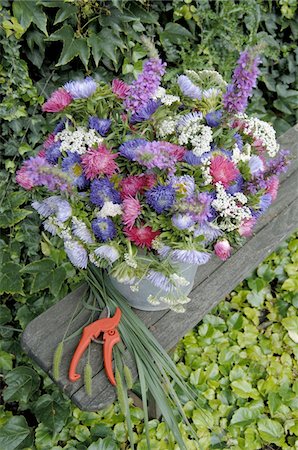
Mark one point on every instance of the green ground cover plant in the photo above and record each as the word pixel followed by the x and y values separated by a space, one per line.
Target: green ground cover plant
pixel 253 335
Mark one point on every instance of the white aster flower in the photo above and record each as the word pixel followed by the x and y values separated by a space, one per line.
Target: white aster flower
pixel 107 252
pixel 80 230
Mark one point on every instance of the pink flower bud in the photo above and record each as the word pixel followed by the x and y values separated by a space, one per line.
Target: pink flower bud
pixel 223 249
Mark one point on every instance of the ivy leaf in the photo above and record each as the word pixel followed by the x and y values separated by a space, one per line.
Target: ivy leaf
pixel 105 43
pixel 291 325
pixel 5 315
pixel 174 33
pixel 66 10
pixel 14 433
pixel 104 444
pixel 11 217
pixel 72 46
pixel 52 411
pixel 5 361
pixel 58 277
pixel 270 430
pixel 28 12
pixel 10 279
pixel 244 416
pixel 42 265
pixel 21 382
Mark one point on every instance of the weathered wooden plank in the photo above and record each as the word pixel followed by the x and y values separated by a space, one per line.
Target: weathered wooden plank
pixel 45 332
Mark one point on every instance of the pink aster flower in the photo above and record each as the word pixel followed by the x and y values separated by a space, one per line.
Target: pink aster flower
pixel 49 141
pixel 272 186
pixel 223 249
pixel 131 210
pixel 24 179
pixel 223 171
pixel 119 88
pixel 142 236
pixel 246 227
pixel 133 184
pixel 58 101
pixel 99 161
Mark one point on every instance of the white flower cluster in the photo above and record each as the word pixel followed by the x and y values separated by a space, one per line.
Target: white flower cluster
pixel 178 281
pixel 81 231
pixel 109 209
pixel 231 214
pixel 196 134
pixel 175 304
pixel 205 168
pixel 165 98
pixel 78 141
pixel 166 127
pixel 130 261
pixel 241 155
pixel 263 131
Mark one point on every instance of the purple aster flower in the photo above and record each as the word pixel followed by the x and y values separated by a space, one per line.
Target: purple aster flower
pixel 199 206
pixel 107 252
pixel 50 227
pixel 160 154
pixel 243 81
pixel 265 202
pixel 60 126
pixel 237 186
pixel 160 280
pixel 238 140
pixel 71 164
pixel 256 165
pixel 53 153
pixel 128 148
pixel 209 232
pixel 191 159
pixel 102 126
pixel 164 251
pixel 161 198
pixel 145 86
pixel 81 88
pixel 188 88
pixel 213 118
pixel 146 112
pixel 102 191
pixel 76 253
pixel 185 184
pixel 104 229
pixel 54 205
pixel 182 221
pixel 191 256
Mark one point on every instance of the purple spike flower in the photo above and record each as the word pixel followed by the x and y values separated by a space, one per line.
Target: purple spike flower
pixel 102 126
pixel 161 198
pixel 243 81
pixel 102 191
pixel 104 229
pixel 81 88
pixel 279 164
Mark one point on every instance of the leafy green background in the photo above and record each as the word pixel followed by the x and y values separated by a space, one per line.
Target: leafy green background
pixel 248 366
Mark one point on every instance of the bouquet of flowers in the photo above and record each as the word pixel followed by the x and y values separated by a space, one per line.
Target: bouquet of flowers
pixel 139 178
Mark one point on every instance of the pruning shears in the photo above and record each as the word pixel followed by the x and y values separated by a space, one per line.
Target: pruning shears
pixel 107 326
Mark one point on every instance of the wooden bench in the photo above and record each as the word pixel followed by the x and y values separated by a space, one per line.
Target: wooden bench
pixel 213 282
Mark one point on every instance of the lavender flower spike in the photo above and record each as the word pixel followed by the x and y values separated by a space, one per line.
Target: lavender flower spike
pixel 243 81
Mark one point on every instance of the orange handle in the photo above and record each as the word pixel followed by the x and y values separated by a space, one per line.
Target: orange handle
pixel 110 338
pixel 83 344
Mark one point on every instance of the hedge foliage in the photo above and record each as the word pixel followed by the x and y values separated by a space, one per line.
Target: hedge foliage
pixel 45 43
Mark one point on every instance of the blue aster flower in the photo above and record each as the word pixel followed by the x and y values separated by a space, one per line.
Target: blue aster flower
pixel 60 126
pixel 182 221
pixel 161 198
pixel 53 153
pixel 128 148
pixel 237 186
pixel 191 256
pixel 81 88
pixel 188 88
pixel 146 112
pixel 71 164
pixel 76 253
pixel 104 229
pixel 192 159
pixel 102 126
pixel 213 118
pixel 54 205
pixel 102 191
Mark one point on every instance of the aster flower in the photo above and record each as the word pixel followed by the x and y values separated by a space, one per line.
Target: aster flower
pixel 183 221
pixel 104 229
pixel 213 118
pixel 237 186
pixel 53 153
pixel 246 227
pixel 133 184
pixel 161 198
pixel 54 205
pixel 199 206
pixel 185 120
pixel 146 112
pixel 223 171
pixel 222 249
pixel 243 81
pixel 120 89
pixel 81 231
pixel 72 165
pixel 131 210
pixel 99 161
pixel 107 252
pixel 272 186
pixel 160 280
pixel 145 86
pixel 256 165
pixel 102 126
pixel 51 226
pixel 184 185
pixel 60 126
pixel 141 236
pixel 160 154
pixel 190 256
pixel 128 148
pixel 191 159
pixel 208 230
pixel 102 191
pixel 36 171
pixel 81 88
pixel 76 253
pixel 188 88
pixel 58 101
pixel 110 209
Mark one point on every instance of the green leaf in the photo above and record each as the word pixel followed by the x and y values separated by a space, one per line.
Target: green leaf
pixel 5 315
pixel 10 218
pixel 105 43
pixel 95 43
pixel 5 361
pixel 244 416
pixel 270 430
pixel 14 433
pixel 10 279
pixel 174 33
pixel 291 325
pixel 65 11
pixel 57 279
pixel 42 265
pixel 244 389
pixel 104 444
pixel 291 285
pixel 53 411
pixel 28 12
pixel 41 281
pixel 21 382
pixel 72 46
